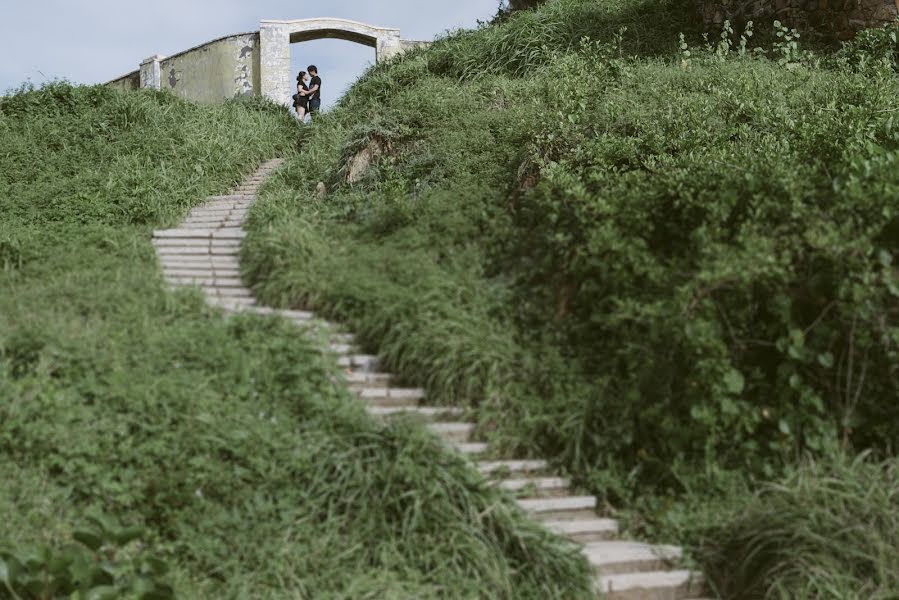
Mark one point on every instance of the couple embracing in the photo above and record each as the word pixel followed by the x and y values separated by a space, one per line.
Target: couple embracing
pixel 308 98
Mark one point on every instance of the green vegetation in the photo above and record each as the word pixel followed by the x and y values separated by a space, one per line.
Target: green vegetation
pixel 225 444
pixel 828 530
pixel 669 265
pixel 93 566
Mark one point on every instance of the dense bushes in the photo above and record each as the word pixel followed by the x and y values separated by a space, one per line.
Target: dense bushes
pixel 730 262
pixel 251 473
pixel 718 276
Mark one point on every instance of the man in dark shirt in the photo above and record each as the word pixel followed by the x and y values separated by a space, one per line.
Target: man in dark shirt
pixel 315 90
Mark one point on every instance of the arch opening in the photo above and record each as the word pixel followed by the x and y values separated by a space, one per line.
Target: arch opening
pixel 276 38
pixel 336 34
pixel 340 63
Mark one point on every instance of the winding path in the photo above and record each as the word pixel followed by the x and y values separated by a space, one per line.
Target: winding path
pixel 204 250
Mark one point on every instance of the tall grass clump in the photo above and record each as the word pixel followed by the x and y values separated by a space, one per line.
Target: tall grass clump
pixel 149 446
pixel 528 41
pixel 827 530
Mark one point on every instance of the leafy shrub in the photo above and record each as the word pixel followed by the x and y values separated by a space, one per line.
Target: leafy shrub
pixel 706 264
pixel 872 48
pixel 98 565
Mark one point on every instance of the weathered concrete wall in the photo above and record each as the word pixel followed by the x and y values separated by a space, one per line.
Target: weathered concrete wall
pixel 223 69
pixel 127 83
pixel 836 19
pixel 274 49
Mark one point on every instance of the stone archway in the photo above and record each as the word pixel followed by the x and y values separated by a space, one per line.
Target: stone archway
pixel 255 63
pixel 275 38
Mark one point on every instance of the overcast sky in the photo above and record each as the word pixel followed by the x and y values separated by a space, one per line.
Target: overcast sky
pixel 94 41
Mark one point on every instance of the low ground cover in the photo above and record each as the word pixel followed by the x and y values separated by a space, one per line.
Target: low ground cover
pixel 137 418
pixel 669 266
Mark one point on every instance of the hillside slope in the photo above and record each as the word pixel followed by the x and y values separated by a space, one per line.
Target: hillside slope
pixel 666 264
pixel 130 411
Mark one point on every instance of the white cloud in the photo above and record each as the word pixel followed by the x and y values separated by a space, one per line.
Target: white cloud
pixel 92 41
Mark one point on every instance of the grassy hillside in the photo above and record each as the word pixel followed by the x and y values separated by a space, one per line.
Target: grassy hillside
pixel 664 262
pixel 224 447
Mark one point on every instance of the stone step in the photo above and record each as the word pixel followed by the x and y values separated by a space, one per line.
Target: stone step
pixel 225 205
pixel 341 348
pixel 388 396
pixel 229 197
pixel 221 215
pixel 343 338
pixel 163 245
pixel 230 207
pixel 653 585
pixel 470 448
pixel 566 508
pixel 232 305
pixel 227 292
pixel 536 487
pixel 426 413
pixel 189 224
pixel 226 214
pixel 359 362
pixel 198 251
pixel 230 233
pixel 294 315
pixel 199 262
pixel 212 223
pixel 361 380
pixel 206 282
pixel 195 242
pixel 199 272
pixel 614 557
pixel 453 432
pixel 215 211
pixel 584 530
pixel 207 273
pixel 223 208
pixel 297 316
pixel 511 467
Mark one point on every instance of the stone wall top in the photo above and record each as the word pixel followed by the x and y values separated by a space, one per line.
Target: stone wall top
pixel 210 42
pixel 304 30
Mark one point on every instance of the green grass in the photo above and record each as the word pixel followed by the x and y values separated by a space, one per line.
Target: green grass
pixel 828 530
pixel 253 473
pixel 668 268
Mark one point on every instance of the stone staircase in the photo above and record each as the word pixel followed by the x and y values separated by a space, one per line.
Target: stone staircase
pixel 203 251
